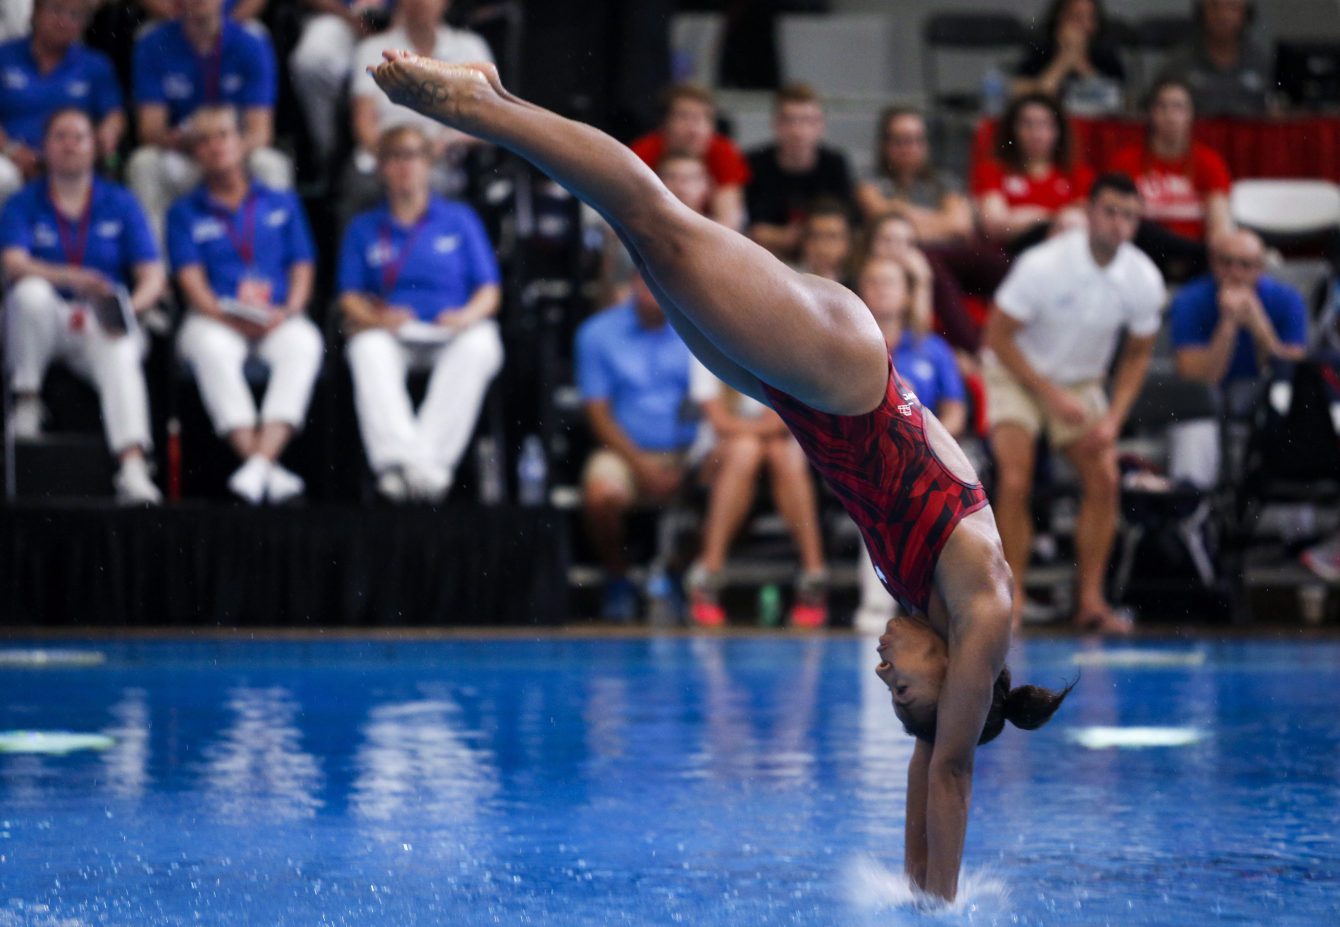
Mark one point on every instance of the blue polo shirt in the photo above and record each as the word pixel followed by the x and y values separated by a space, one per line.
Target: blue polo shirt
pixel 927 363
pixel 434 264
pixel 113 238
pixel 263 238
pixel 240 70
pixel 1195 315
pixel 644 375
pixel 84 79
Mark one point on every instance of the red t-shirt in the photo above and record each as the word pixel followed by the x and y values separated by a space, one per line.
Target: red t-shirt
pixel 1175 191
pixel 725 163
pixel 1053 190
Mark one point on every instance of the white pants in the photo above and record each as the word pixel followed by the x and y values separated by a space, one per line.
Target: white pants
pixel 217 353
pixel 877 606
pixel 39 332
pixel 158 176
pixel 1193 452
pixel 10 179
pixel 393 434
pixel 319 67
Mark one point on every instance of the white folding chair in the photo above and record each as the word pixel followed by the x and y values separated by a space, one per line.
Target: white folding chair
pixel 1286 208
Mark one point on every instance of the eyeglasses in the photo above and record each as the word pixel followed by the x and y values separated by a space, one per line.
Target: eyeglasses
pixel 404 154
pixel 905 138
pixel 1242 263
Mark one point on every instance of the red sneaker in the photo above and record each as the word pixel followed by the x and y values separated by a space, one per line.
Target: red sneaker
pixel 705 609
pixel 809 615
pixel 811 603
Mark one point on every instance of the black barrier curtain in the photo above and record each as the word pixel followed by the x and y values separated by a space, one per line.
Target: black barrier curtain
pixel 325 566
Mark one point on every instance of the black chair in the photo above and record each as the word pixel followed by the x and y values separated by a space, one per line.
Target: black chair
pixel 972 32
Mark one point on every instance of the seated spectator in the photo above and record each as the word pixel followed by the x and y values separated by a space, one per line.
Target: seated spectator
pixel 891 237
pixel 750 439
pixel 889 288
pixel 686 177
pixel 633 372
pixel 244 11
pixel 47 71
pixel 1052 333
pixel 826 241
pixel 1033 187
pixel 787 176
pixel 1074 60
pixel 1225 327
pixel 417 26
pixel 68 241
pixel 1184 184
pixel 242 256
pixel 689 127
pixel 199 59
pixel 320 63
pixel 1228 71
pixel 419 288
pixel 906 182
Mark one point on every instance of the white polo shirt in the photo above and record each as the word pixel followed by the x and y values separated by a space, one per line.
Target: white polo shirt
pixel 1073 310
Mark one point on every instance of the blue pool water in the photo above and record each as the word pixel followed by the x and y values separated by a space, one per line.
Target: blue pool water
pixel 724 781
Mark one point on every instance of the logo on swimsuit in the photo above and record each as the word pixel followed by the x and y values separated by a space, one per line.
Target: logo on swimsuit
pixel 905 410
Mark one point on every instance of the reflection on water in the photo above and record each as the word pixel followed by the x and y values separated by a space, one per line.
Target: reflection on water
pixel 126 764
pixel 414 764
pixel 257 768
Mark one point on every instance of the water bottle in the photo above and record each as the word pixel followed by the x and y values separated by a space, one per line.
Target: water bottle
pixel 532 472
pixel 994 91
pixel 770 606
pixel 490 472
pixel 661 606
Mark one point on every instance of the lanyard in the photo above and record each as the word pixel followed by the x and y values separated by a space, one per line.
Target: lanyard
pixel 211 65
pixel 73 235
pixel 391 268
pixel 245 243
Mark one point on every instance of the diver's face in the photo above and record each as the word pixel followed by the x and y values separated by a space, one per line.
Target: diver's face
pixel 913 660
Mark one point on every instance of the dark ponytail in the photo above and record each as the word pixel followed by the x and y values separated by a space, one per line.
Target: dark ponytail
pixel 1027 707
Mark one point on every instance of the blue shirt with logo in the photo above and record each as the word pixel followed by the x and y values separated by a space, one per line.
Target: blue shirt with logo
pixel 429 266
pixel 114 238
pixel 1195 315
pixel 239 71
pixel 262 239
pixel 84 79
pixel 927 363
pixel 642 372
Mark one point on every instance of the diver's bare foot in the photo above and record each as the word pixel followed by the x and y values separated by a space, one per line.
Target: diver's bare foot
pixel 450 93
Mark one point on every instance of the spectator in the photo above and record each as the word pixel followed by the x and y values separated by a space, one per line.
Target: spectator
pixel 1184 184
pixel 787 176
pixel 749 439
pixel 47 71
pixel 1228 71
pixel 419 290
pixel 686 177
pixel 418 27
pixel 199 59
pixel 826 241
pixel 1225 327
pixel 68 241
pixel 320 63
pixel 689 127
pixel 14 18
pixel 1033 187
pixel 245 11
pixel 906 182
pixel 1053 332
pixel 1074 60
pixel 890 288
pixel 633 371
pixel 891 237
pixel 242 256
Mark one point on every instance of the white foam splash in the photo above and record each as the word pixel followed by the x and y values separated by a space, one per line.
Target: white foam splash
pixel 873 888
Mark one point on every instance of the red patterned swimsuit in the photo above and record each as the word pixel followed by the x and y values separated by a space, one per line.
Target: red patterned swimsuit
pixel 881 465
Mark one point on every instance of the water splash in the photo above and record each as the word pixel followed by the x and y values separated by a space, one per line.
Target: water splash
pixel 874 889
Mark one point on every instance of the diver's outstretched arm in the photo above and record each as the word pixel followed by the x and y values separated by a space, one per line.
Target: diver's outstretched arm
pixel 809 337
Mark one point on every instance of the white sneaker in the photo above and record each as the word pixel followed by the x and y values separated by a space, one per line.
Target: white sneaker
pixel 427 484
pixel 26 418
pixel 391 485
pixel 133 484
pixel 283 485
pixel 249 480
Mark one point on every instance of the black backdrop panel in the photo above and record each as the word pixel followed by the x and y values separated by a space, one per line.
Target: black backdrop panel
pixel 323 566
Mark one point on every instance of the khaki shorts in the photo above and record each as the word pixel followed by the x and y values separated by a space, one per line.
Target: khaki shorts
pixel 1008 401
pixel 608 467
